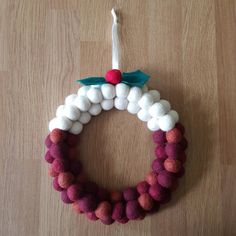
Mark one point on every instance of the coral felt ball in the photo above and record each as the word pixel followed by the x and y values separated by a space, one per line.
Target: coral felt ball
pixel 173 136
pixel 103 194
pixel 173 150
pixel 160 152
pixel 151 178
pixel 48 157
pixel 56 186
pixel 76 208
pixel 157 165
pixel 59 151
pixel 75 167
pixel 118 211
pixel 51 172
pixel 65 198
pixel 116 196
pixel 133 210
pixel 87 203
pixel 145 201
pixel 48 141
pixel 75 192
pixel 103 210
pixel 158 193
pixel 166 179
pixel 91 215
pixel 113 76
pixel 57 135
pixel 72 139
pixel 60 165
pixel 172 165
pixel 142 187
pixel 65 179
pixel 130 194
pixel 159 137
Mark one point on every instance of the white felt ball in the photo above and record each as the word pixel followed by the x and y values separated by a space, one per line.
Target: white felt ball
pixel 108 91
pixel 63 123
pixel 166 122
pixel 135 94
pixel 52 124
pixel 133 107
pixel 107 104
pixel 153 125
pixel 84 118
pixel 166 104
pixel 120 103
pixel 60 110
pixel 71 112
pixel 145 88
pixel 155 94
pixel 175 115
pixel 144 115
pixel 94 95
pixel 82 103
pixel 76 128
pixel 95 109
pixel 122 90
pixel 157 110
pixel 70 99
pixel 83 90
pixel 146 101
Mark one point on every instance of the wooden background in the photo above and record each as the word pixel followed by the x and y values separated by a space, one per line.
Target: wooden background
pixel 189 49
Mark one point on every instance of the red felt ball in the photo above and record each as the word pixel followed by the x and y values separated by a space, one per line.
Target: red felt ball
pixel 60 165
pixel 116 196
pixel 166 179
pixel 59 151
pixel 159 137
pixel 151 178
pixel 173 150
pixel 48 141
pixel 58 136
pixel 184 143
pixel 76 208
pixel 108 221
pixel 72 153
pixel 145 201
pixel 75 192
pixel 55 185
pixel 133 210
pixel 87 203
pixel 113 76
pixel 65 198
pixel 91 215
pixel 75 167
pixel 103 194
pixel 172 165
pixel 72 139
pixel 157 165
pixel 130 194
pixel 158 193
pixel 90 187
pixel 65 179
pixel 51 172
pixel 103 210
pixel 48 157
pixel 174 136
pixel 142 187
pixel 118 211
pixel 160 152
pixel 123 220
pixel 180 127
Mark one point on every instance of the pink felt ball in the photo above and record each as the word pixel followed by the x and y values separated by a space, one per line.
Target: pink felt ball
pixel 59 165
pixel 180 127
pixel 108 221
pixel 58 136
pixel 55 185
pixel 172 165
pixel 72 139
pixel 65 179
pixel 103 194
pixel 48 141
pixel 160 152
pixel 76 208
pixel 48 157
pixel 133 210
pixel 59 151
pixel 91 215
pixel 173 136
pixel 151 178
pixel 145 201
pixel 142 187
pixel 157 165
pixel 75 192
pixel 65 198
pixel 158 193
pixel 116 196
pixel 159 137
pixel 103 210
pixel 173 150
pixel 113 76
pixel 51 172
pixel 166 179
pixel 75 167
pixel 118 211
pixel 87 203
pixel 130 194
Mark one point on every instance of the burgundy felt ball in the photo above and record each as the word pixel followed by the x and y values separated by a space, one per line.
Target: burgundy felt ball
pixel 108 221
pixel 48 141
pixel 58 136
pixel 116 196
pixel 113 76
pixel 160 152
pixel 75 192
pixel 65 179
pixel 142 187
pixel 76 208
pixel 91 215
pixel 72 139
pixel 172 165
pixel 52 172
pixel 103 194
pixel 180 173
pixel 59 151
pixel 173 136
pixel 87 203
pixel 123 220
pixel 158 193
pixel 48 157
pixel 159 137
pixel 72 153
pixel 130 194
pixel 65 198
pixel 75 167
pixel 56 186
pixel 82 178
pixel 166 179
pixel 133 210
pixel 90 187
pixel 173 150
pixel 180 127
pixel 182 157
pixel 183 143
pixel 151 178
pixel 60 165
pixel 118 211
pixel 104 210
pixel 157 165
pixel 145 201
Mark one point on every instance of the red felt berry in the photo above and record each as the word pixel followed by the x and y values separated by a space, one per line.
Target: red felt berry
pixel 91 215
pixel 174 136
pixel 180 127
pixel 142 187
pixel 159 137
pixel 65 198
pixel 103 210
pixel 58 136
pixel 87 203
pixel 157 165
pixel 151 178
pixel 48 141
pixel 113 76
pixel 116 196
pixel 160 152
pixel 173 150
pixel 145 201
pixel 123 220
pixel 172 165
pixel 55 185
pixel 58 151
pixel 65 179
pixel 118 211
pixel 166 179
pixel 158 193
pixel 75 192
pixel 103 194
pixel 60 165
pixel 130 194
pixel 48 157
pixel 133 210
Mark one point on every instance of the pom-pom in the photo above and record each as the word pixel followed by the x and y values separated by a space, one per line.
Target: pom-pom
pixel 75 192
pixel 124 220
pixel 95 109
pixel 133 107
pixel 76 128
pixel 94 95
pixel 75 167
pixel 87 203
pixel 108 91
pixel 76 208
pixel 155 94
pixel 120 103
pixel 151 178
pixel 143 115
pixel 71 112
pixel 159 137
pixel 166 122
pixel 70 99
pixel 65 179
pixel 157 110
pixel 113 76
pixel 180 173
pixel 172 165
pixel 91 215
pixel 142 187
pixel 133 210
pixel 174 136
pixel 82 103
pixel 52 172
pixel 63 123
pixel 153 125
pixel 160 152
pixel 135 94
pixel 122 90
pixel 146 101
pixel 158 193
pixel 56 186
pixel 108 221
pixel 103 194
pixel 60 110
pixel 166 179
pixel 82 91
pixel 103 210
pixel 157 165
pixel 58 136
pixel 84 118
pixel 180 127
pixel 48 157
pixel 65 198
pixel 145 201
pixel 173 150
pixel 91 187
pixel 182 157
pixel 72 139
pixel 59 151
pixel 130 194
pixel 166 104
pixel 48 141
pixel 118 211
pixel 174 114
pixel 60 165
pixel 52 124
pixel 72 153
pixel 183 143
pixel 107 104
pixel 116 196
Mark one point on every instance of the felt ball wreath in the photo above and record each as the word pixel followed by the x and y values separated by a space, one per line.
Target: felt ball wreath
pixel 123 91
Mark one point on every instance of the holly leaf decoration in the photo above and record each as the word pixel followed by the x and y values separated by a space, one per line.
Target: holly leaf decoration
pixel 92 81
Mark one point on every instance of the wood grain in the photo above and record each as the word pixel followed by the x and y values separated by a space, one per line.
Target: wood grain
pixel 187 46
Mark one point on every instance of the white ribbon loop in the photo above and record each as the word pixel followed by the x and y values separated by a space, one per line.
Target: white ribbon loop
pixel 115 41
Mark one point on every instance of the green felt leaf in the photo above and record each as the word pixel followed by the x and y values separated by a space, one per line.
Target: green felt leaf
pixel 135 78
pixel 92 81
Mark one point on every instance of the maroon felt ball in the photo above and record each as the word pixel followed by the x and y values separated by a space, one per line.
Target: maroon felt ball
pixel 118 211
pixel 155 208
pixel 113 76
pixel 48 157
pixel 145 201
pixel 133 210
pixel 159 137
pixel 72 153
pixel 91 187
pixel 59 165
pixel 72 139
pixel 151 178
pixel 91 216
pixel 173 150
pixel 103 194
pixel 184 143
pixel 76 208
pixel 173 136
pixel 65 198
pixel 75 192
pixel 180 127
pixel 180 173
pixel 51 172
pixel 75 167
pixel 81 178
pixel 130 194
pixel 103 210
pixel 142 187
pixel 160 152
pixel 166 179
pixel 58 136
pixel 174 186
pixel 56 186
pixel 87 203
pixel 157 165
pixel 116 196
pixel 172 165
pixel 108 221
pixel 158 193
pixel 123 220
pixel 48 141
pixel 59 151
pixel 182 157
pixel 65 179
